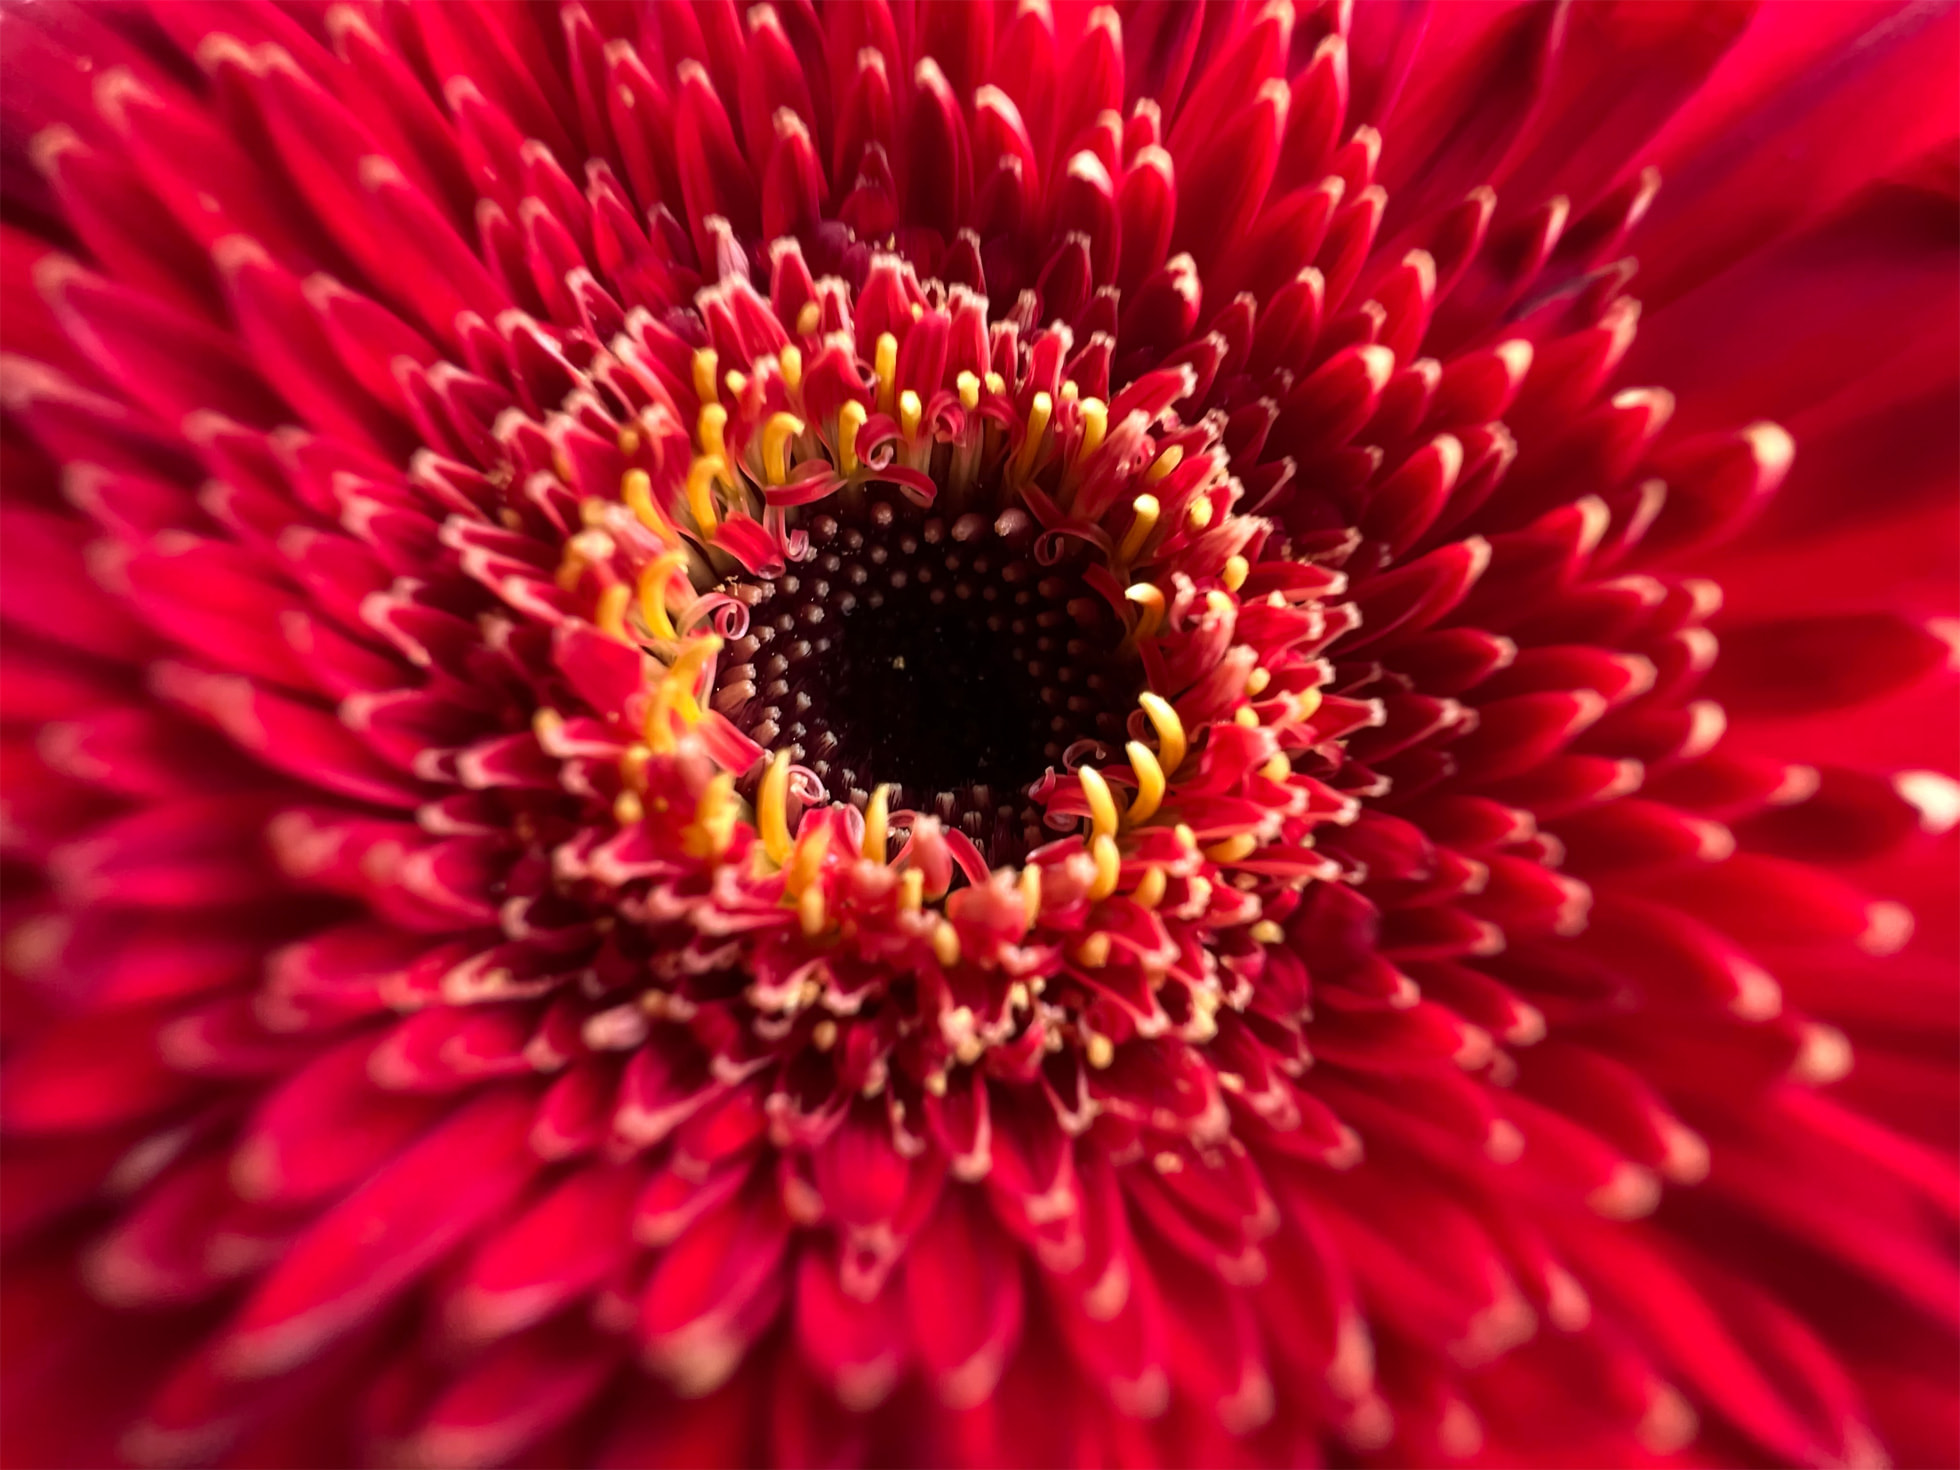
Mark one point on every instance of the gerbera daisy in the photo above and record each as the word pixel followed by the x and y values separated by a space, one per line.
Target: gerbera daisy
pixel 979 733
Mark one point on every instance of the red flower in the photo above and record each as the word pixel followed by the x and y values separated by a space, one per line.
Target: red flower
pixel 974 734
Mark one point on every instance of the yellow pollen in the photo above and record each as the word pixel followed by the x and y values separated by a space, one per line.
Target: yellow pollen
pixel 969 387
pixel 1257 681
pixel 653 592
pixel 659 727
pixel 911 890
pixel 1186 838
pixel 876 813
pixel 809 319
pixel 776 434
pixel 684 676
pixel 1030 894
pixel 1247 716
pixel 823 1035
pixel 1218 604
pixel 636 489
pixel 1151 601
pixel 628 809
pixel 1102 802
pixel 1147 510
pixel 1169 460
pixel 705 363
pixel 807 861
pixel 946 944
pixel 611 612
pixel 1232 848
pixel 1149 891
pixel 996 384
pixel 1306 704
pixel 711 429
pixel 1095 425
pixel 850 418
pixel 810 911
pixel 791 358
pixel 772 809
pixel 701 491
pixel 1039 413
pixel 1150 783
pixel 1170 731
pixel 633 767
pixel 629 440
pixel 1109 865
pixel 737 383
pixel 1267 932
pixel 1199 515
pixel 1278 768
pixel 1070 392
pixel 1101 1052
pixel 715 814
pixel 910 411
pixel 884 363
pixel 1093 952
pixel 1237 569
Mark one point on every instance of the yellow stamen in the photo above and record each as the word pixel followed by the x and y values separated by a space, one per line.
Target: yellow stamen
pixel 911 890
pixel 1169 460
pixel 636 489
pixel 1237 569
pixel 628 810
pixel 1030 893
pixel 737 383
pixel 701 492
pixel 705 363
pixel 823 1035
pixel 712 429
pixel 791 358
pixel 1093 952
pixel 876 822
pixel 1247 716
pixel 660 725
pixel 653 592
pixel 1232 848
pixel 850 418
pixel 1256 682
pixel 1151 601
pixel 715 814
pixel 1102 802
pixel 610 615
pixel 1267 932
pixel 1199 515
pixel 996 384
pixel 1278 768
pixel 684 676
pixel 810 911
pixel 772 809
pixel 1070 390
pixel 946 944
pixel 633 767
pixel 1150 888
pixel 1101 1052
pixel 629 440
pixel 1147 510
pixel 1109 865
pixel 809 319
pixel 969 387
pixel 807 861
pixel 1042 410
pixel 1095 426
pixel 776 434
pixel 1150 783
pixel 884 362
pixel 1306 704
pixel 1170 731
pixel 910 411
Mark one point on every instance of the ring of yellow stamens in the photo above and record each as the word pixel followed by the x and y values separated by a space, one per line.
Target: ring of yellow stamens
pixel 776 436
pixel 1147 509
pixel 1150 783
pixel 1170 731
pixel 877 824
pixel 772 810
pixel 850 419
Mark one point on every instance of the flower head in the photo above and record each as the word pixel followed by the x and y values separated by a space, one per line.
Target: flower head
pixel 977 734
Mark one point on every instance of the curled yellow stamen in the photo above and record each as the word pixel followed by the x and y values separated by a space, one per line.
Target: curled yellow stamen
pixel 772 809
pixel 1237 569
pixel 876 824
pixel 1039 413
pixel 946 944
pixel 1102 802
pixel 1147 510
pixel 1109 868
pixel 1150 783
pixel 1149 891
pixel 1170 731
pixel 1151 601
pixel 911 890
pixel 705 363
pixel 636 489
pixel 1095 425
pixel 969 388
pixel 1169 460
pixel 610 615
pixel 660 722
pixel 850 418
pixel 685 674
pixel 712 430
pixel 1232 848
pixel 701 477
pixel 791 358
pixel 1030 893
pixel 653 592
pixel 807 861
pixel 910 411
pixel 776 434
pixel 884 362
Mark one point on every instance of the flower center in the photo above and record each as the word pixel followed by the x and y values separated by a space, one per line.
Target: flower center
pixel 941 657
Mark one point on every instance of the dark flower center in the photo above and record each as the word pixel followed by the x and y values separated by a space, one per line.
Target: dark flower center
pixel 943 657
